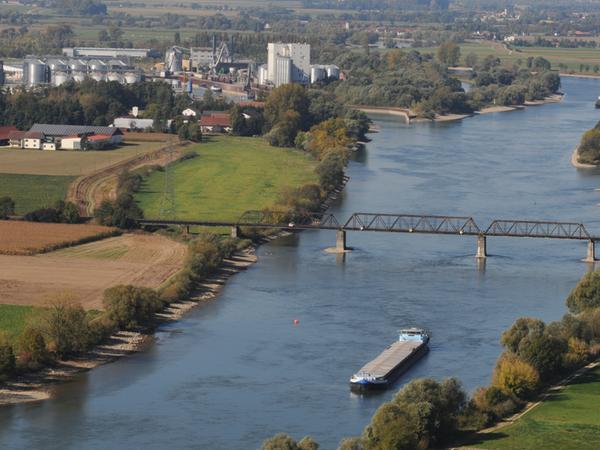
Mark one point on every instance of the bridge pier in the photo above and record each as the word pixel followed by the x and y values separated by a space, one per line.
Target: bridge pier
pixel 481 247
pixel 235 232
pixel 591 252
pixel 340 241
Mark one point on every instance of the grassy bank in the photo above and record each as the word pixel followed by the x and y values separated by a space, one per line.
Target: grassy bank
pixel 14 318
pixel 568 419
pixel 32 192
pixel 229 176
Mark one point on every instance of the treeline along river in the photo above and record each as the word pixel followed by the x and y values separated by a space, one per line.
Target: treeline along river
pixel 237 370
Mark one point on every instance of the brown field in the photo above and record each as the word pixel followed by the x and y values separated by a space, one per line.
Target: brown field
pixel 36 162
pixel 26 238
pixel 87 270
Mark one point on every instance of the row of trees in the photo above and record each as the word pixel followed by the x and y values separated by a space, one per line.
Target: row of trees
pixel 427 413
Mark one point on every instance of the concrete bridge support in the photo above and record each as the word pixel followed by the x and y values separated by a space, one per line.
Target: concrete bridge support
pixel 235 232
pixel 481 247
pixel 591 252
pixel 340 241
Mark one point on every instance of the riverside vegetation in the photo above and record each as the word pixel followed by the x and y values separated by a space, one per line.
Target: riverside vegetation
pixel 588 151
pixel 428 413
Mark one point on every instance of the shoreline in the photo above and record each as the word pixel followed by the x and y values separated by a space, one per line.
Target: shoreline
pixel 34 387
pixel 412 118
pixel 575 161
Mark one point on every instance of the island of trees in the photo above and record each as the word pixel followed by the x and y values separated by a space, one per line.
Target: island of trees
pixel 588 151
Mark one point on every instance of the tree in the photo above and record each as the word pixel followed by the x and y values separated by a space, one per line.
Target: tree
pixel 516 377
pixel 285 99
pixel 7 360
pixel 70 213
pixel 448 53
pixel 66 326
pixel 471 60
pixel 353 443
pixel 284 442
pixel 586 295
pixel 520 329
pixel 130 306
pixel 330 172
pixel 544 352
pixel 7 207
pixel 33 352
pixel 283 134
pixel 392 428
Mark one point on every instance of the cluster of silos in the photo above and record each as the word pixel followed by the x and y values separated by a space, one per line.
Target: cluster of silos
pixel 319 72
pixel 174 60
pixel 58 71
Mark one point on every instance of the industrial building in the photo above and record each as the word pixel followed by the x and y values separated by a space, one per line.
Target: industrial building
pixel 287 63
pixel 96 52
pixel 56 70
pixel 320 72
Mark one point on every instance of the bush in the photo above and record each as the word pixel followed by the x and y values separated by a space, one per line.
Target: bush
pixel 130 306
pixel 7 207
pixel 33 353
pixel 330 172
pixel 586 295
pixel 122 213
pixel 393 427
pixel 7 360
pixel 544 352
pixel 284 442
pixel 67 328
pixel 516 377
pixel 61 213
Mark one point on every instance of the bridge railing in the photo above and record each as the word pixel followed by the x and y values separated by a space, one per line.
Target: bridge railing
pixel 287 219
pixel 410 223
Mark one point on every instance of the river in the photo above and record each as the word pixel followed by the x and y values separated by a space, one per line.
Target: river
pixel 237 370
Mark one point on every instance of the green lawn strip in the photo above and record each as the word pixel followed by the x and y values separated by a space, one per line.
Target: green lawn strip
pixel 229 176
pixel 570 419
pixel 32 192
pixel 14 318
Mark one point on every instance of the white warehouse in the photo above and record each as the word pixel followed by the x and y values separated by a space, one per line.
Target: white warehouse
pixel 288 63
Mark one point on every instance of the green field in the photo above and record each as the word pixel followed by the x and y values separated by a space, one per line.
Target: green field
pixel 571 57
pixel 570 419
pixel 13 320
pixel 33 191
pixel 229 176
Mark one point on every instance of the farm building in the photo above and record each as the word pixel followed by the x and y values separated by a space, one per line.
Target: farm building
pixel 70 143
pixel 48 145
pixel 32 140
pixel 215 122
pixel 61 131
pixel 136 123
pixel 5 134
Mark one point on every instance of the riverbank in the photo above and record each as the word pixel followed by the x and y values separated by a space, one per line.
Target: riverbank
pixel 575 161
pixel 38 386
pixel 411 117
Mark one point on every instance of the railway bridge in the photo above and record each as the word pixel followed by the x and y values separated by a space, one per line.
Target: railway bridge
pixel 398 223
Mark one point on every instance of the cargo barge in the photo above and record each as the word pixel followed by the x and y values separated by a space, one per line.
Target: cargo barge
pixel 381 372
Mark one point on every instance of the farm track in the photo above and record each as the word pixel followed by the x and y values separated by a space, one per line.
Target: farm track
pixel 88 191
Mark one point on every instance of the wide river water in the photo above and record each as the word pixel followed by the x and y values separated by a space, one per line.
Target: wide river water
pixel 237 370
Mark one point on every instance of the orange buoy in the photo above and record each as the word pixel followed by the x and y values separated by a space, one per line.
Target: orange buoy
pixel 296 321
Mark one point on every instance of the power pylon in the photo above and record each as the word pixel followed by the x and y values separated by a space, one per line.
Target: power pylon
pixel 167 200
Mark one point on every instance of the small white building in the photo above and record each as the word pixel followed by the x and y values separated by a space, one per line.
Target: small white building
pixel 32 140
pixel 49 146
pixel 189 112
pixel 70 143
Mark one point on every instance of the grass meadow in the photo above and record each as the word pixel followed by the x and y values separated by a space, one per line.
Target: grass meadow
pixel 229 176
pixel 32 192
pixel 569 419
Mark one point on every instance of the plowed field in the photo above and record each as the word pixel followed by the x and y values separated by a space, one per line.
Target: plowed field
pixel 25 238
pixel 87 270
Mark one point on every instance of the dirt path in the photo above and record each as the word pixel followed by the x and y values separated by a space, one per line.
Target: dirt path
pixel 89 190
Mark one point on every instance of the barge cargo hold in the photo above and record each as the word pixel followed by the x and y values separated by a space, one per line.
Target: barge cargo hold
pixel 392 362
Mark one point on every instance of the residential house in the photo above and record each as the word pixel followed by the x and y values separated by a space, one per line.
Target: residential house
pixel 215 122
pixel 48 145
pixel 32 140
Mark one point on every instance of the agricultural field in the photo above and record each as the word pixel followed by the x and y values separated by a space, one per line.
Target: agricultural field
pixel 32 192
pixel 84 272
pixel 26 238
pixel 229 176
pixel 571 57
pixel 69 163
pixel 569 419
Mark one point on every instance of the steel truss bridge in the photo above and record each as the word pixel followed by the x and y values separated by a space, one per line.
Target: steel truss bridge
pixel 398 223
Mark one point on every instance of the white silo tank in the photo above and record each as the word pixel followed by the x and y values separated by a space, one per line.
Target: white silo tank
pixel 79 76
pixel 333 72
pixel 114 76
pixel 132 77
pixel 36 73
pixel 60 78
pixel 98 76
